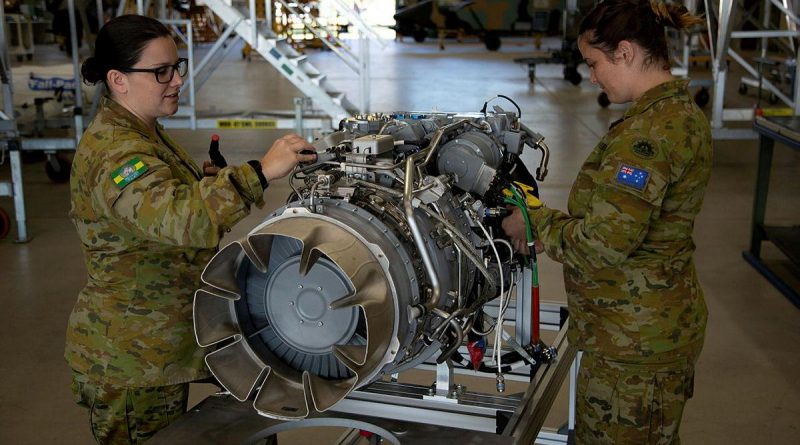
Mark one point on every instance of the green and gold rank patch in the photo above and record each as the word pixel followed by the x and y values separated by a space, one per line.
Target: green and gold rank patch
pixel 128 172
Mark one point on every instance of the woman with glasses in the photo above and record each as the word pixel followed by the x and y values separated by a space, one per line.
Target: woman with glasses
pixel 149 219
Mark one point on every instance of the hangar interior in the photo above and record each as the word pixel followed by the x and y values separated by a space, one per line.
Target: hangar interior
pixel 746 389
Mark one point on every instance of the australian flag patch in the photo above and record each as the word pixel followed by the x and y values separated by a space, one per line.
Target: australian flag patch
pixel 632 177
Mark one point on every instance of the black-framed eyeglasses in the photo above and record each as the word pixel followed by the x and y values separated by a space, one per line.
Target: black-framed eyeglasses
pixel 164 74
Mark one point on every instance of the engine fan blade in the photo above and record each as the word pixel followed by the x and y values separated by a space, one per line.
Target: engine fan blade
pixel 369 283
pixel 353 356
pixel 372 295
pixel 309 256
pixel 237 368
pixel 345 247
pixel 213 317
pixel 379 328
pixel 353 299
pixel 282 394
pixel 281 397
pixel 221 271
pixel 258 249
pixel 325 393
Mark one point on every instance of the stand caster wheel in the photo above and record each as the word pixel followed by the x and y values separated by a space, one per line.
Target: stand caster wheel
pixel 492 42
pixel 57 169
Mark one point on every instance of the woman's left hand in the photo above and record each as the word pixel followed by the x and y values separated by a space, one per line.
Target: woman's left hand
pixel 521 246
pixel 514 227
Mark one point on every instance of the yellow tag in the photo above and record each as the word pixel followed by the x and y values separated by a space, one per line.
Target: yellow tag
pixel 254 124
pixel 777 112
pixel 530 199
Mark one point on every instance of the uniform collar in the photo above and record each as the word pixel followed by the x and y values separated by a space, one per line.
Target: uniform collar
pixel 122 117
pixel 678 87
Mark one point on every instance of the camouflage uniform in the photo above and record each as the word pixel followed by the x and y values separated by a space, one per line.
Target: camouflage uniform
pixel 148 222
pixel 128 415
pixel 636 307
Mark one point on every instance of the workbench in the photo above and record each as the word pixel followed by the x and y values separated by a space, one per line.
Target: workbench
pixel 404 413
pixel 785 130
pixel 222 420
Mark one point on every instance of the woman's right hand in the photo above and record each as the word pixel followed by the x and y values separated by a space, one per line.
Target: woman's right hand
pixel 284 155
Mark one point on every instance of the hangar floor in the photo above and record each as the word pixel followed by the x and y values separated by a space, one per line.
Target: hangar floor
pixel 747 390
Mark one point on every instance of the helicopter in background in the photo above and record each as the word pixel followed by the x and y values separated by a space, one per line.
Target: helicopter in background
pixel 487 19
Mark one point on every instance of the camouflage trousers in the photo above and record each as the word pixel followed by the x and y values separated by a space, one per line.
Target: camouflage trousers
pixel 121 415
pixel 633 403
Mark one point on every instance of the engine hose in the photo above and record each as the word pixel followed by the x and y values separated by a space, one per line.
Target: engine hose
pixel 448 320
pixel 459 237
pixel 511 361
pixel 416 234
pixel 447 353
pixel 437 137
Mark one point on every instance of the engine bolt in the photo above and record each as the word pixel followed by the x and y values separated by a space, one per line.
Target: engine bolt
pixel 319 324
pixel 319 288
pixel 299 286
pixel 291 303
pixel 301 321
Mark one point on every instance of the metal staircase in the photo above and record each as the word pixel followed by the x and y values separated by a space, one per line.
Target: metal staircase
pixel 292 65
pixel 721 15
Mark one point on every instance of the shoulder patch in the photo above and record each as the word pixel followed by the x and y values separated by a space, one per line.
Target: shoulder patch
pixel 643 149
pixel 632 177
pixel 129 171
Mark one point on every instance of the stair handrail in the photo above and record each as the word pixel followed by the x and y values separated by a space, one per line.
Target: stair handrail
pixel 314 26
pixel 284 58
pixel 356 19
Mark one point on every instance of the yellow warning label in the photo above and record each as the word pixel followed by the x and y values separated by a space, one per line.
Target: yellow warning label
pixel 778 112
pixel 255 124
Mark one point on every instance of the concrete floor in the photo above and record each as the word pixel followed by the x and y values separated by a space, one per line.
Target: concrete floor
pixel 747 390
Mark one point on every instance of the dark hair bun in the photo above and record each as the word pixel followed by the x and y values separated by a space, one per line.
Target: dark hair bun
pixel 91 72
pixel 119 45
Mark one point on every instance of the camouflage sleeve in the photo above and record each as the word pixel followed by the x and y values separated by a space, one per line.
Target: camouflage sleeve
pixel 149 200
pixel 628 191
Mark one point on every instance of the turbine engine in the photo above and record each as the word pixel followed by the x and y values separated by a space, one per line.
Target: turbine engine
pixel 382 258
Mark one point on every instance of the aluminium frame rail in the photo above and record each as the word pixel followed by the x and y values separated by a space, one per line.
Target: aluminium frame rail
pixel 404 413
pixel 721 50
pixel 14 143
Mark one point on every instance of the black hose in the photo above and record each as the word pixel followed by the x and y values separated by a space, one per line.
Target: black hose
pixel 510 357
pixel 486 104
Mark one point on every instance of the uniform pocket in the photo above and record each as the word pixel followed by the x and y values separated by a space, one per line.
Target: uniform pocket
pixel 669 399
pixel 597 403
pixel 83 393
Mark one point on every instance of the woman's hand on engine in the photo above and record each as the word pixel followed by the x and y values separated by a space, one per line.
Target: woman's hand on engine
pixel 284 155
pixel 514 227
pixel 521 246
